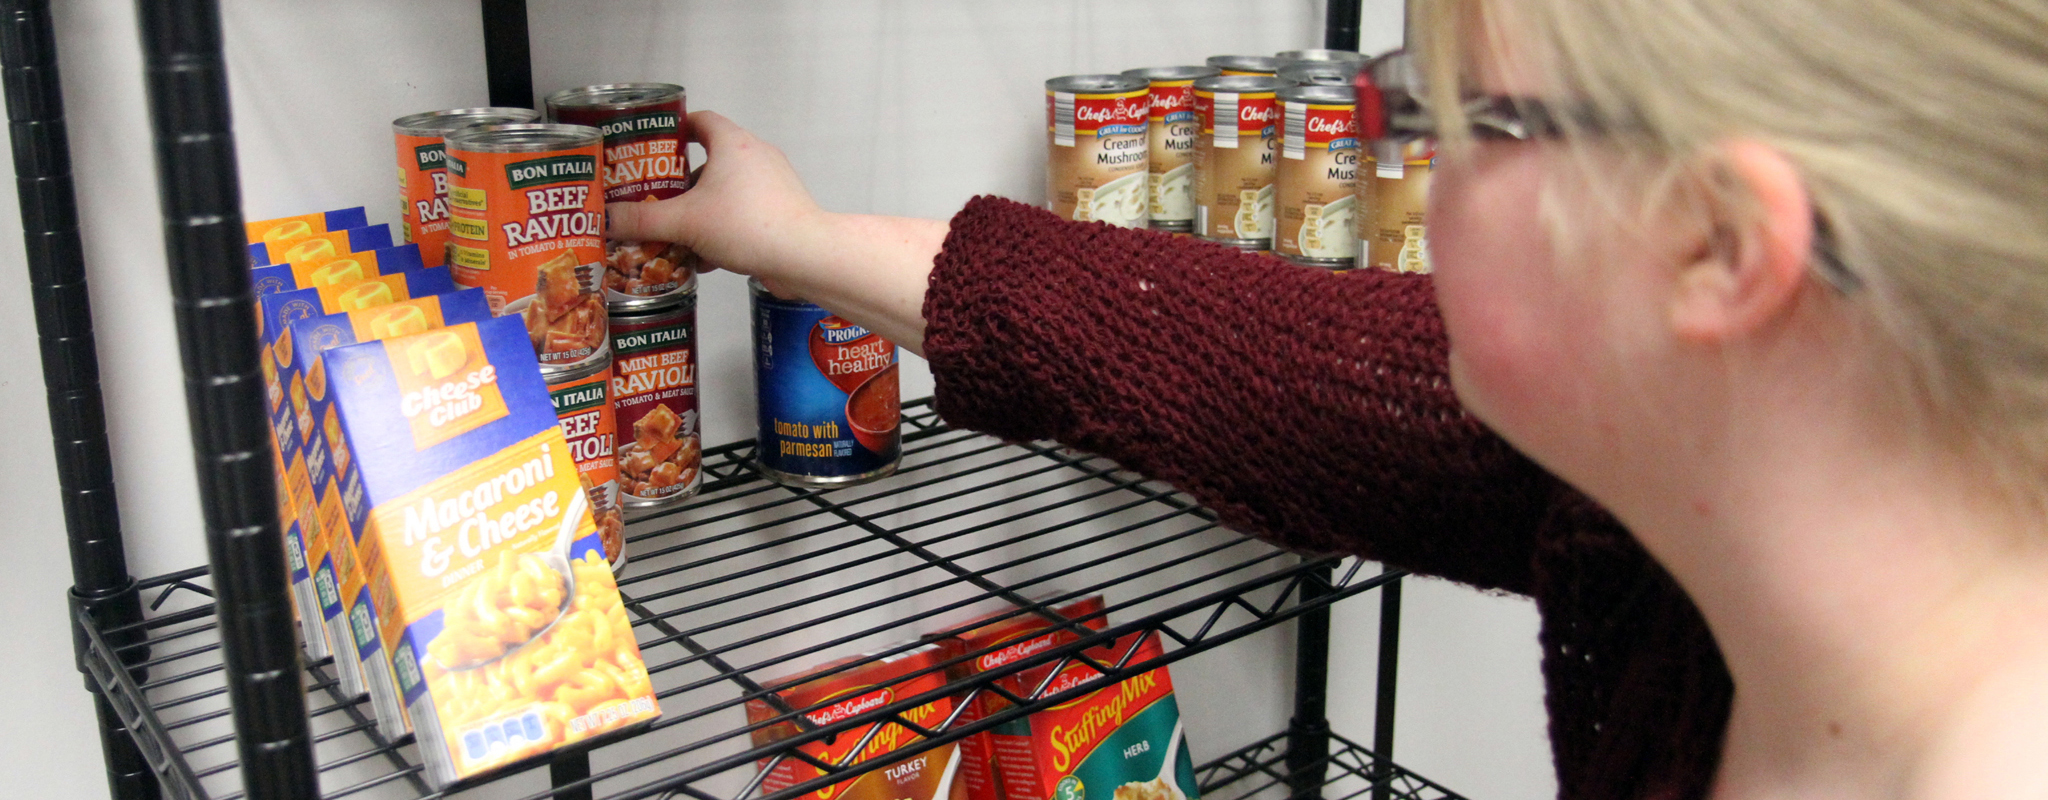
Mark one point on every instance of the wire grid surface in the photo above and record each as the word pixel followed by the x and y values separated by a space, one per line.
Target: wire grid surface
pixel 1349 772
pixel 751 581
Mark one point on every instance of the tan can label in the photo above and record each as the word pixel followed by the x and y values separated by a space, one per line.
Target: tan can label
pixel 584 406
pixel 1096 156
pixel 1318 181
pixel 423 196
pixel 1395 197
pixel 1234 164
pixel 528 228
pixel 1171 164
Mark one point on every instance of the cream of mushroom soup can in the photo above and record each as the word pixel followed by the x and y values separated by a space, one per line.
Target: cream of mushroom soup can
pixel 1263 66
pixel 1393 185
pixel 1393 196
pixel 1235 154
pixel 1096 145
pixel 1171 156
pixel 1316 185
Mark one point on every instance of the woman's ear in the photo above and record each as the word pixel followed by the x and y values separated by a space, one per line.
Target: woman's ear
pixel 1751 262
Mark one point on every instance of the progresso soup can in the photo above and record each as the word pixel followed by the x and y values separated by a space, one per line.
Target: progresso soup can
pixel 829 399
pixel 1315 188
pixel 423 177
pixel 1095 133
pixel 583 404
pixel 1170 160
pixel 646 130
pixel 526 224
pixel 654 388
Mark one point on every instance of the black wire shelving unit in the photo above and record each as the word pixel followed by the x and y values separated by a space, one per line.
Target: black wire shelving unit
pixel 202 693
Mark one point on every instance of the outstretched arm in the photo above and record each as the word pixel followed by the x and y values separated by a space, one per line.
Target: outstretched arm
pixel 1305 407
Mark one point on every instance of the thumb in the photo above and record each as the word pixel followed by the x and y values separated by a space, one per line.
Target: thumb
pixel 659 220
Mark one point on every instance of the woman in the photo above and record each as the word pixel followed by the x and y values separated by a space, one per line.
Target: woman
pixel 1769 292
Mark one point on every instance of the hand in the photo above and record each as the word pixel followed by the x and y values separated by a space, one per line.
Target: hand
pixel 748 213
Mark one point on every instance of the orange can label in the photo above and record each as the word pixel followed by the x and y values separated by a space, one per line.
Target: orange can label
pixel 423 196
pixel 584 406
pixel 528 228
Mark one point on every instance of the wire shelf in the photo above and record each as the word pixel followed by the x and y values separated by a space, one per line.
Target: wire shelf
pixel 1350 771
pixel 751 580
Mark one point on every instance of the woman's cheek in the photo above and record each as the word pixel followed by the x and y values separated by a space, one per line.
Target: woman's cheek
pixel 1495 289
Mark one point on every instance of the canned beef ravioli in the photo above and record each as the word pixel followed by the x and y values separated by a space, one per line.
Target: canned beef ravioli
pixel 654 388
pixel 423 176
pixel 527 225
pixel 645 127
pixel 583 402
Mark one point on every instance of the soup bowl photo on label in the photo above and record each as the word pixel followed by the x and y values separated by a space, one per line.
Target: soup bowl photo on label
pixel 874 409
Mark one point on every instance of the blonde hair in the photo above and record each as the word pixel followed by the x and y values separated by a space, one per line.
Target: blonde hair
pixel 1921 129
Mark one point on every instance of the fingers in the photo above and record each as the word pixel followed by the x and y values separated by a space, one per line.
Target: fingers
pixel 642 221
pixel 710 127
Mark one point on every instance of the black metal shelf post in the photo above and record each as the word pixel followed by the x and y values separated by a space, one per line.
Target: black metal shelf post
pixel 199 187
pixel 100 584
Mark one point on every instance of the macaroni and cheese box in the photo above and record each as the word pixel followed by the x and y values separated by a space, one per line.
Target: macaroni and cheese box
pixel 285 229
pixel 275 313
pixel 508 636
pixel 319 245
pixel 841 692
pixel 337 580
pixel 997 643
pixel 1119 742
pixel 311 637
pixel 334 270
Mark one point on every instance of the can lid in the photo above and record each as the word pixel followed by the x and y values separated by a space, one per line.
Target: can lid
pixel 1320 73
pixel 614 95
pixel 1265 65
pixel 1325 56
pixel 558 376
pixel 1240 83
pixel 1171 73
pixel 1096 83
pixel 1333 95
pixel 523 137
pixel 439 123
pixel 760 290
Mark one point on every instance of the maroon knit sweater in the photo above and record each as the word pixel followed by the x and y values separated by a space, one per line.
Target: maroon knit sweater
pixel 1314 410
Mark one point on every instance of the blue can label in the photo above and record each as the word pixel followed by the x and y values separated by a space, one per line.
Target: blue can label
pixel 829 398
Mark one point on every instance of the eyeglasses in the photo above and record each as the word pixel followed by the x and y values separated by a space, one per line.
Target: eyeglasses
pixel 1395 113
pixel 1392 114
